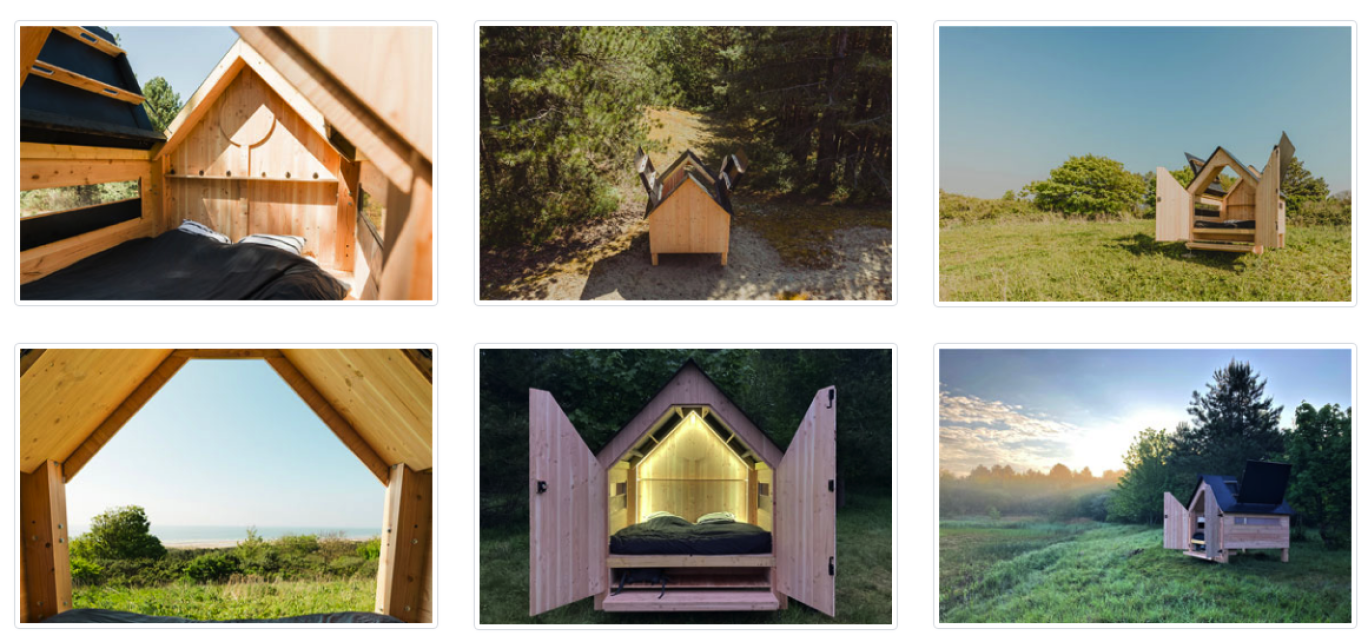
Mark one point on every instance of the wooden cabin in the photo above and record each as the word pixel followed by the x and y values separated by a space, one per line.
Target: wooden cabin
pixel 690 451
pixel 688 207
pixel 291 132
pixel 377 401
pixel 1226 515
pixel 1250 217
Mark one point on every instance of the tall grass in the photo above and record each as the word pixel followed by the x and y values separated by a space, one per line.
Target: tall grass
pixel 238 599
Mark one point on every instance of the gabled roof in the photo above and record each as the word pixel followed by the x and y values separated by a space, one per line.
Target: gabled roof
pixel 1195 163
pixel 697 171
pixel 378 402
pixel 239 57
pixel 1230 161
pixel 1263 486
pixel 77 88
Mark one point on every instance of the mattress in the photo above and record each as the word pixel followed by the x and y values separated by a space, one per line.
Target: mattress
pixel 177 266
pixel 679 536
pixel 107 616
pixel 1224 225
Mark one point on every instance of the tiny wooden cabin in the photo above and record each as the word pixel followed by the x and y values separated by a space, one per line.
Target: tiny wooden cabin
pixel 1250 217
pixel 1227 515
pixel 688 207
pixel 689 451
pixel 290 133
pixel 377 401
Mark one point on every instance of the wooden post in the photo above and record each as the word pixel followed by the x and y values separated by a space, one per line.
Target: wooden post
pixel 632 517
pixel 348 181
pixel 404 589
pixel 1284 555
pixel 45 532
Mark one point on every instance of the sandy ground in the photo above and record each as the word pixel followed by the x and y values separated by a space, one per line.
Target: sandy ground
pixel 621 270
pixel 232 543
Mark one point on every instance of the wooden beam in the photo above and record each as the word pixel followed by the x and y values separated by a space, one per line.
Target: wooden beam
pixel 50 151
pixel 85 35
pixel 45 532
pixel 405 544
pixel 408 241
pixel 348 194
pixel 227 353
pixel 121 415
pixel 31 41
pixel 41 173
pixel 68 77
pixel 333 419
pixel 423 363
pixel 197 105
pixel 26 361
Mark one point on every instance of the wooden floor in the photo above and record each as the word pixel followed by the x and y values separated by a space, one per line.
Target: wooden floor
pixel 692 600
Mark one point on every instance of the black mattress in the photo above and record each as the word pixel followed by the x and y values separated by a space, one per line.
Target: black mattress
pixel 178 266
pixel 679 536
pixel 1229 225
pixel 107 616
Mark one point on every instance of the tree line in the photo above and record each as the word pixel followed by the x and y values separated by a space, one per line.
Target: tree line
pixel 1059 494
pixel 562 112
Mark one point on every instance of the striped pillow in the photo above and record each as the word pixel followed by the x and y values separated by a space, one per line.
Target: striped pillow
pixel 199 229
pixel 291 244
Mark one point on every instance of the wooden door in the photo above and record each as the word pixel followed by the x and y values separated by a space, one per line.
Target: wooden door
pixel 1175 523
pixel 1266 207
pixel 805 509
pixel 568 502
pixel 1173 208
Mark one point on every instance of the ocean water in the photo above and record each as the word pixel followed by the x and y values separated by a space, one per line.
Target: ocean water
pixel 195 534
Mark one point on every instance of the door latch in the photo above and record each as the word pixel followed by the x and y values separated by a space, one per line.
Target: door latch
pixel 831 397
pixel 831 485
pixel 541 487
pixel 831 566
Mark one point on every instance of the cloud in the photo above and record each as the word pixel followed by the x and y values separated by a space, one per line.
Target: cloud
pixel 977 431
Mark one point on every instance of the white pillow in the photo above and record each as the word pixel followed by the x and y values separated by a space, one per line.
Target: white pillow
pixel 291 244
pixel 659 513
pixel 199 229
pixel 720 517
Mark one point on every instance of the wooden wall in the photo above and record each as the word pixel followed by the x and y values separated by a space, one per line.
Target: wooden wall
pixel 1239 203
pixel 1173 210
pixel 254 165
pixel 692 473
pixel 764 504
pixel 404 578
pixel 1256 535
pixel 619 516
pixel 805 509
pixel 690 221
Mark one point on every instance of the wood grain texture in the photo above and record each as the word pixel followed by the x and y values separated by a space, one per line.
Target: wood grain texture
pixel 406 546
pixel 334 420
pixel 121 415
pixel 1175 523
pixel 1266 212
pixel 45 532
pixel 1173 209
pixel 692 473
pixel 31 41
pixel 89 38
pixel 689 221
pixel 41 261
pixel 83 82
pixel 408 240
pixel 693 600
pixel 805 509
pixel 567 506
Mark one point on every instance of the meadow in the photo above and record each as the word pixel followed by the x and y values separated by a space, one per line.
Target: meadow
pixel 1035 571
pixel 864 579
pixel 236 599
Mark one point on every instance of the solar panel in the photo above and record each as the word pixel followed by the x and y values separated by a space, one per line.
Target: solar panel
pixel 1264 482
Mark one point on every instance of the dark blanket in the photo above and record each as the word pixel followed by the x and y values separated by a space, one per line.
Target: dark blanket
pixel 679 536
pixel 106 616
pixel 177 266
pixel 1228 225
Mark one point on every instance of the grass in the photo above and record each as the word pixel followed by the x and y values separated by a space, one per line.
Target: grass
pixel 864 579
pixel 1045 572
pixel 234 600
pixel 1066 260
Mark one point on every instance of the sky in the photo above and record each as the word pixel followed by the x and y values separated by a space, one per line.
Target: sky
pixel 184 56
pixel 1036 408
pixel 1016 102
pixel 228 443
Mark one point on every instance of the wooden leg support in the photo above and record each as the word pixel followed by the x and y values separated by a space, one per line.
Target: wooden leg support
pixel 46 584
pixel 655 259
pixel 404 579
pixel 724 259
pixel 1284 555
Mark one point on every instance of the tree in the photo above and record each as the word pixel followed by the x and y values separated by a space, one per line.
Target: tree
pixel 162 104
pixel 1091 185
pixel 1302 188
pixel 1060 475
pixel 1010 195
pixel 1233 422
pixel 121 533
pixel 1139 495
pixel 1321 488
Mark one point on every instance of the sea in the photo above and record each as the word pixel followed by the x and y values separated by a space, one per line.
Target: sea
pixel 180 535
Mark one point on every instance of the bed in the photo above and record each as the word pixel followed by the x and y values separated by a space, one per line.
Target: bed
pixel 1230 224
pixel 678 536
pixel 178 266
pixel 107 616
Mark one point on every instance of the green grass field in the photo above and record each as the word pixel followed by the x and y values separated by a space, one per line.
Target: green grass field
pixel 1044 572
pixel 257 600
pixel 1064 260
pixel 864 579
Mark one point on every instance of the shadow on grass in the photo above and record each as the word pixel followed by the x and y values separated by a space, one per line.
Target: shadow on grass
pixel 1144 245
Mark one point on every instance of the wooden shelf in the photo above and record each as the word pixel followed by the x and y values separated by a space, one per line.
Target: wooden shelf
pixel 687 600
pixel 264 179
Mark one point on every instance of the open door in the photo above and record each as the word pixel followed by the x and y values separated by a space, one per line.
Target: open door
pixel 567 504
pixel 1172 208
pixel 1266 212
pixel 1175 523
pixel 805 509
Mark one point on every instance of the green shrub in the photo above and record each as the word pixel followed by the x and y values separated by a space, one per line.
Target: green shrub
pixel 369 549
pixel 84 571
pixel 211 567
pixel 1090 185
pixel 120 533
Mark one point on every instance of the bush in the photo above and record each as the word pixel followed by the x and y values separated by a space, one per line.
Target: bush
pixel 121 533
pixel 211 567
pixel 84 571
pixel 1330 211
pixel 993 513
pixel 1090 185
pixel 957 208
pixel 369 549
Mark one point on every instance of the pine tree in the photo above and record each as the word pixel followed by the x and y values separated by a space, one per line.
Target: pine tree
pixel 162 104
pixel 1233 422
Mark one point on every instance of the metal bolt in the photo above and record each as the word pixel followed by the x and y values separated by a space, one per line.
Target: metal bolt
pixel 408 608
pixel 415 540
pixel 59 527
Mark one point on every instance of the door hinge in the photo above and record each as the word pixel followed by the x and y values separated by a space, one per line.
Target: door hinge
pixel 831 485
pixel 831 566
pixel 541 487
pixel 831 397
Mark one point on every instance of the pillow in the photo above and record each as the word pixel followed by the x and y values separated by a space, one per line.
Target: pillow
pixel 291 244
pixel 720 517
pixel 659 513
pixel 199 229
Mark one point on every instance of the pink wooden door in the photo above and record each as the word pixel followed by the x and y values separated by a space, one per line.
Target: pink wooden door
pixel 567 501
pixel 805 509
pixel 1175 523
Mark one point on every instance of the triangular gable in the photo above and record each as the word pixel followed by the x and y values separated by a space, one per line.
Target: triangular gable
pixel 1219 159
pixel 690 386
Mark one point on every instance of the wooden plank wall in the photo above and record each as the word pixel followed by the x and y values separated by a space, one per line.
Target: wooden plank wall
pixel 1239 203
pixel 805 512
pixel 406 546
pixel 693 473
pixel 1173 208
pixel 1256 536
pixel 764 505
pixel 567 519
pixel 1175 524
pixel 44 549
pixel 618 515
pixel 690 222
pixel 1266 212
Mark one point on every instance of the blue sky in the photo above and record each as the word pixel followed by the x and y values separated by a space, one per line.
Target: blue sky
pixel 182 55
pixel 1036 408
pixel 228 443
pixel 1015 102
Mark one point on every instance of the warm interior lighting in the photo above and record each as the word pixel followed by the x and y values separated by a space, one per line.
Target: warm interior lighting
pixel 691 473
